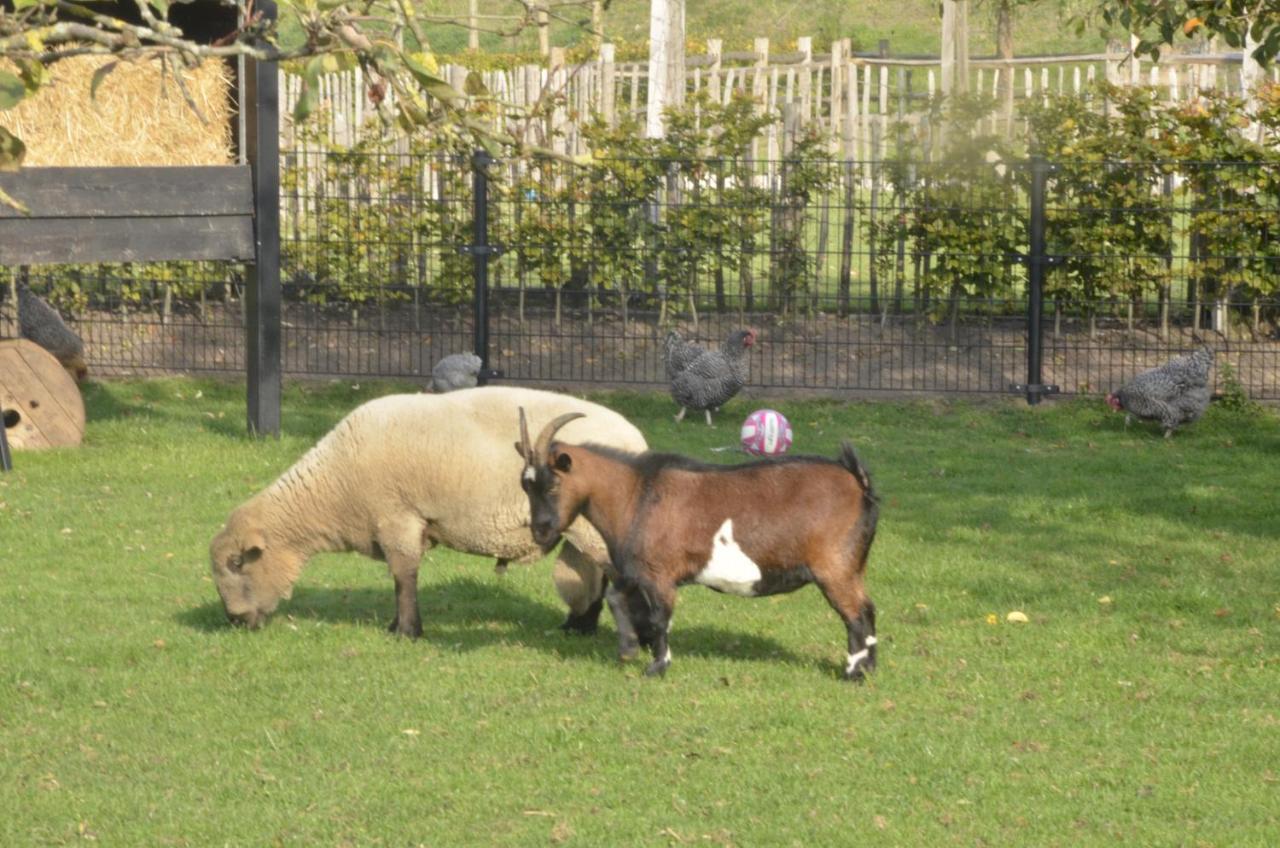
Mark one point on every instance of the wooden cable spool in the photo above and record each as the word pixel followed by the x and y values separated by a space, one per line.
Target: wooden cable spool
pixel 41 402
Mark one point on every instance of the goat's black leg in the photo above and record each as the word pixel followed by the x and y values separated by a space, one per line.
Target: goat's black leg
pixel 862 643
pixel 661 603
pixel 859 614
pixel 628 597
pixel 624 618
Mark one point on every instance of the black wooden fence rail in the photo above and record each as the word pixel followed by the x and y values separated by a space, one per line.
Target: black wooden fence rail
pixel 222 212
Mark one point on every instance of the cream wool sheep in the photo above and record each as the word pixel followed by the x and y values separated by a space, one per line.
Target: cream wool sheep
pixel 403 473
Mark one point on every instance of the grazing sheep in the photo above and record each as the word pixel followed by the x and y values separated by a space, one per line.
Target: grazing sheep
pixel 402 474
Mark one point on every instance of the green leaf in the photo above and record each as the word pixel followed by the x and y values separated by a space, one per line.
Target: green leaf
pixel 33 74
pixel 12 90
pixel 474 85
pixel 431 84
pixel 9 200
pixel 12 151
pixel 161 6
pixel 98 76
pixel 306 102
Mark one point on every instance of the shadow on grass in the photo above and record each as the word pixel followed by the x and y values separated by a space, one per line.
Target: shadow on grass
pixel 470 614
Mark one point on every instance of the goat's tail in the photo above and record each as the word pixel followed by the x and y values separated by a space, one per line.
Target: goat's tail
pixel 849 460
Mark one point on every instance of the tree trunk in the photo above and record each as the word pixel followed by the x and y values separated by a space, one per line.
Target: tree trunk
pixel 1004 50
pixel 666 62
pixel 955 47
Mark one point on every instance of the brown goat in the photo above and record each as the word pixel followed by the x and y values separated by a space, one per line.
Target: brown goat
pixel 754 529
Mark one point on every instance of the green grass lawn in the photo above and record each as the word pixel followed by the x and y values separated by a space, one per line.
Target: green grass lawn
pixel 1139 704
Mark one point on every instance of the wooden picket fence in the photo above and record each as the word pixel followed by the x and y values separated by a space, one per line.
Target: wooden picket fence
pixel 854 98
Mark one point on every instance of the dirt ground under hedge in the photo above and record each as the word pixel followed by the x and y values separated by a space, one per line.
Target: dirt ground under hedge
pixel 821 353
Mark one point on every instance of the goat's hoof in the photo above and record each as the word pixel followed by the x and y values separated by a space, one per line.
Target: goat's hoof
pixel 657 668
pixel 857 674
pixel 627 651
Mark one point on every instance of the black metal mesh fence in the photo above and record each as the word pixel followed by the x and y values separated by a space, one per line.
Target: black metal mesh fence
pixel 858 276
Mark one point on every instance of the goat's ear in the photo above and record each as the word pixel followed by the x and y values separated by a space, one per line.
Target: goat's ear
pixel 563 463
pixel 520 450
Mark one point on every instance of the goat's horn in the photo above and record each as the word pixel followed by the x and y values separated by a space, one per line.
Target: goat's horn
pixel 543 445
pixel 526 450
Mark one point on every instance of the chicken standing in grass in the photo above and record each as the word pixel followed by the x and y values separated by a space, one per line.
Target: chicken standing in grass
pixel 1174 394
pixel 455 371
pixel 39 322
pixel 707 379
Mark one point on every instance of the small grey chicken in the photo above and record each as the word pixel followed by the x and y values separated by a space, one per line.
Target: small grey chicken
pixel 710 378
pixel 455 371
pixel 1174 394
pixel 39 322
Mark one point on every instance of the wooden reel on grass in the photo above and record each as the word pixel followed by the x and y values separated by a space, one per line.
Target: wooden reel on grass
pixel 41 403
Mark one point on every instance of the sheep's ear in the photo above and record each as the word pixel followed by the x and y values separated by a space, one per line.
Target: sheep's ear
pixel 254 543
pixel 563 463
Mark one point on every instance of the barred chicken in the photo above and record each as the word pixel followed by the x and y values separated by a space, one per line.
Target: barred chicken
pixel 39 322
pixel 705 380
pixel 1174 394
pixel 455 371
pixel 678 353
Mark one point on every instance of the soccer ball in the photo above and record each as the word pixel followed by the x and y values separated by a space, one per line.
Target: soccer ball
pixel 766 432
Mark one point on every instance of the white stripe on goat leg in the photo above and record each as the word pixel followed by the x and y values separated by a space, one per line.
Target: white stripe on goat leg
pixel 856 659
pixel 729 569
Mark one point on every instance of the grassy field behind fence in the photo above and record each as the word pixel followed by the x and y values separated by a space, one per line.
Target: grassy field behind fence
pixel 1139 703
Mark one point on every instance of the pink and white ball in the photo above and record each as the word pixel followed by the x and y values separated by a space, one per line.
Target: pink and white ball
pixel 766 432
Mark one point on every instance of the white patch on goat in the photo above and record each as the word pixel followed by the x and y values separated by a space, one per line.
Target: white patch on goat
pixel 529 474
pixel 855 660
pixel 729 569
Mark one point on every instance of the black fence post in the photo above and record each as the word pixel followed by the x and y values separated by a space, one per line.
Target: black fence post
pixel 261 111
pixel 6 461
pixel 480 251
pixel 1037 260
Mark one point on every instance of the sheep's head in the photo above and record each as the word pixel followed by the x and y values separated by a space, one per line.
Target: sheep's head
pixel 251 576
pixel 550 511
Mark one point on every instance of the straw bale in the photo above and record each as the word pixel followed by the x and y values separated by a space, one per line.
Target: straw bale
pixel 139 116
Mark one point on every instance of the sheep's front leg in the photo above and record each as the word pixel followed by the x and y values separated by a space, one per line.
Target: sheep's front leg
pixel 404 570
pixel 580 582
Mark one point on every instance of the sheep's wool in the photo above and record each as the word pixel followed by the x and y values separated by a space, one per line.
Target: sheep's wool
pixel 766 432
